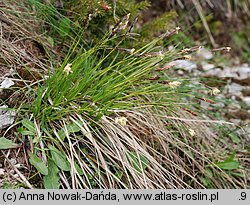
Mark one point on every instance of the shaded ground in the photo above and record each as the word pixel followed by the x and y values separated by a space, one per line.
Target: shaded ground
pixel 228 23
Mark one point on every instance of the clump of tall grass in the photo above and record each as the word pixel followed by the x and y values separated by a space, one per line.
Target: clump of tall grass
pixel 105 124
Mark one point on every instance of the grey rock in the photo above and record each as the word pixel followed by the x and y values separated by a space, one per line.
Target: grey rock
pixel 6 83
pixel 228 73
pixel 246 100
pixel 204 54
pixel 234 89
pixel 238 73
pixel 7 117
pixel 180 72
pixel 184 64
pixel 212 72
pixel 207 66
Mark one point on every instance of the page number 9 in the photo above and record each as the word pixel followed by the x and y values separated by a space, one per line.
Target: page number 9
pixel 243 196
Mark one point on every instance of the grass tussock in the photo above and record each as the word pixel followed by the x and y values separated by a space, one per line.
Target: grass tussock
pixel 105 118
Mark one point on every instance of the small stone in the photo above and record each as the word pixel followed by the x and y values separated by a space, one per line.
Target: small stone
pixel 7 117
pixel 207 66
pixel 246 100
pixel 242 72
pixel 212 72
pixel 204 54
pixel 171 48
pixel 228 72
pixel 180 72
pixel 184 64
pixel 6 83
pixel 234 89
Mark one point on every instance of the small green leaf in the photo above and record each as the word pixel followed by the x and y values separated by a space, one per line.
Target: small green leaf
pixel 59 158
pixel 29 125
pixel 137 163
pixel 229 164
pixel 51 181
pixel 7 144
pixel 38 164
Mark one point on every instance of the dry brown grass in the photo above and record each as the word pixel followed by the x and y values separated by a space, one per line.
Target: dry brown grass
pixel 21 40
pixel 176 158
